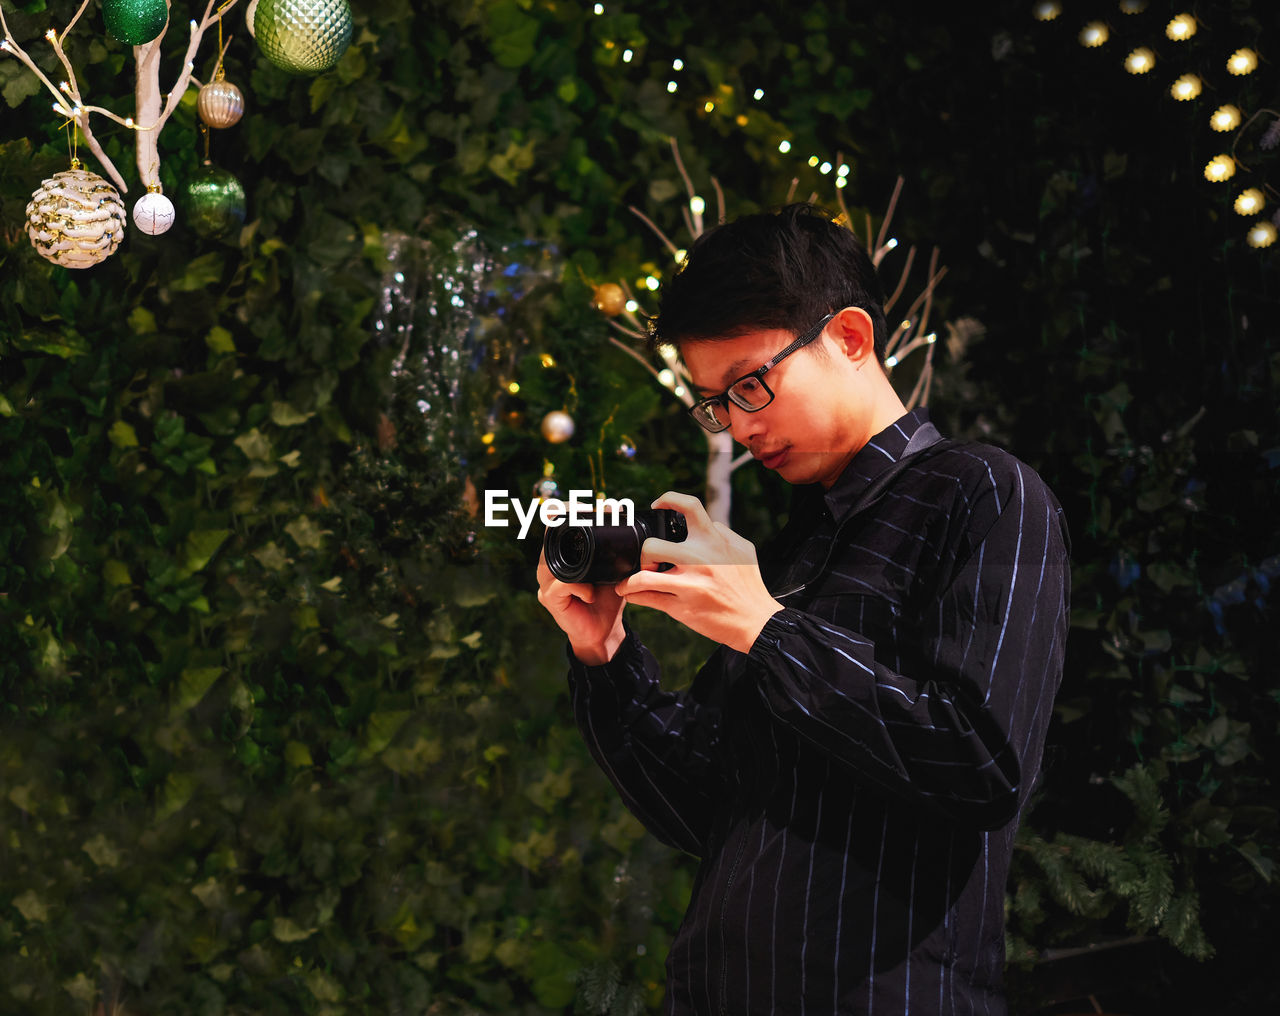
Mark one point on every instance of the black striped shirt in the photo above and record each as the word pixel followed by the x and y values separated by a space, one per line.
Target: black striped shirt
pixel 852 784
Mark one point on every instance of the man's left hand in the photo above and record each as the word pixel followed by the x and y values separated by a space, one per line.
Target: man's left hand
pixel 714 585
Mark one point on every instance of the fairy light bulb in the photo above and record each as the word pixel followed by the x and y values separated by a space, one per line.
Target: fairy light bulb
pixel 1242 61
pixel 1225 118
pixel 1263 234
pixel 1186 88
pixel 680 255
pixel 813 161
pixel 1140 61
pixel 1046 11
pixel 1219 168
pixel 1094 34
pixel 758 94
pixel 651 283
pixel 1180 28
pixel 672 86
pixel 697 205
pixel 666 377
pixel 1250 201
pixel 677 64
pixel 784 147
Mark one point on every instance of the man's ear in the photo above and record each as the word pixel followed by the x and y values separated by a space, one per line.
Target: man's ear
pixel 855 335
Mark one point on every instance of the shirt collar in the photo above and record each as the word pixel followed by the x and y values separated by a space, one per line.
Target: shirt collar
pixel 877 455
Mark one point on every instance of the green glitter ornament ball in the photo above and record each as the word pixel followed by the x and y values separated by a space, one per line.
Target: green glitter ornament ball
pixel 135 21
pixel 303 36
pixel 215 202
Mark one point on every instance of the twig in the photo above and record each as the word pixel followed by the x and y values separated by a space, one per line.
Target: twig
pixel 722 215
pixel 902 282
pixel 696 226
pixel 656 231
pixel 888 216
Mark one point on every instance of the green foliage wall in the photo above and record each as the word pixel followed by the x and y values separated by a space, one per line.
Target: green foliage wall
pixel 285 730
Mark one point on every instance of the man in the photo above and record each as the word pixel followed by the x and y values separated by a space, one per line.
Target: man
pixel 851 762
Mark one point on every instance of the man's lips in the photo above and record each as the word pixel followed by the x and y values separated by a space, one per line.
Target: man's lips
pixel 771 459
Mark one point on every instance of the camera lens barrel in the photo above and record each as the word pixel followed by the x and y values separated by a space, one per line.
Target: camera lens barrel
pixel 605 554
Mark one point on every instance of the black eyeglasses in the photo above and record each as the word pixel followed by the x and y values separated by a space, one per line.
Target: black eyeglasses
pixel 749 392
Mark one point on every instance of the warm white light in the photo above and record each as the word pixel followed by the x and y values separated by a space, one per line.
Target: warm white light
pixel 843 170
pixel 889 246
pixel 667 377
pixel 514 387
pixel 1094 34
pixel 1181 27
pixel 678 391
pixel 842 182
pixel 891 362
pixel 931 338
pixel 814 160
pixel 1186 88
pixel 1263 234
pixel 1219 168
pixel 627 55
pixel 667 351
pixel 677 64
pixel 680 255
pixel 652 283
pixel 1046 11
pixel 1250 201
pixel 671 86
pixel 697 205
pixel 708 106
pixel 632 306
pixel 1242 61
pixel 825 168
pixel 128 122
pixel 598 8
pixel 1225 118
pixel 758 94
pixel 1140 61
pixel 784 147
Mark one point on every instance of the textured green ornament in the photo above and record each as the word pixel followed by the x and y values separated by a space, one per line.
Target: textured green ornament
pixel 215 202
pixel 135 21
pixel 303 36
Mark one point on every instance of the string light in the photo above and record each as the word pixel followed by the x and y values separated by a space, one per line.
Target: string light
pixel 1140 61
pixel 1242 61
pixel 627 55
pixel 893 242
pixel 1225 118
pixel 671 86
pixel 843 171
pixel 1263 234
pixel 652 284
pixel 548 360
pixel 697 205
pixel 891 362
pixel 680 255
pixel 1219 168
pixel 758 94
pixel 677 64
pixel 678 391
pixel 708 106
pixel 632 306
pixel 1180 28
pixel 841 182
pixel 598 8
pixel 825 168
pixel 784 147
pixel 1094 34
pixel 1250 201
pixel 666 377
pixel 514 387
pixel 813 161
pixel 1186 88
pixel 1046 11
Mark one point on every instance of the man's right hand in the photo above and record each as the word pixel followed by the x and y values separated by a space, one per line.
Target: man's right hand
pixel 590 615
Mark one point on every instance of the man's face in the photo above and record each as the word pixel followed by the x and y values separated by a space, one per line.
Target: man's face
pixel 819 417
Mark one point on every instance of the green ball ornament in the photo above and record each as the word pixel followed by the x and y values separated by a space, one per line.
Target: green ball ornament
pixel 135 22
pixel 303 36
pixel 215 202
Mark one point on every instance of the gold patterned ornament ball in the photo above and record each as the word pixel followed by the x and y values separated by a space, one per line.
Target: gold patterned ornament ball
pixel 303 36
pixel 76 219
pixel 220 104
pixel 153 213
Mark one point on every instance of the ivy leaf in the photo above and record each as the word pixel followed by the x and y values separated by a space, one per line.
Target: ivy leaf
pixel 513 34
pixel 201 545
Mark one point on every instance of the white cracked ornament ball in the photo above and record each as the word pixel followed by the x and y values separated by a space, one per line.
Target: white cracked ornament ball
pixel 153 213
pixel 76 219
pixel 557 426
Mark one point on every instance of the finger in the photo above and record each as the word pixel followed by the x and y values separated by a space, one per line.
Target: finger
pixel 642 582
pixel 695 515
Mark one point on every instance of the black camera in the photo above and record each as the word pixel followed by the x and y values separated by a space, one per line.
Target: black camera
pixel 608 553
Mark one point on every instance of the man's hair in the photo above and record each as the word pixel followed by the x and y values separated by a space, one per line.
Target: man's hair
pixel 781 270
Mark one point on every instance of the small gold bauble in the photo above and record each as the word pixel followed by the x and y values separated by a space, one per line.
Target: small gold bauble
pixel 76 219
pixel 221 104
pixel 609 298
pixel 557 426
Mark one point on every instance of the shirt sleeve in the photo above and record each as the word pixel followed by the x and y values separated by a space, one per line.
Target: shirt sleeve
pixel 959 733
pixel 660 749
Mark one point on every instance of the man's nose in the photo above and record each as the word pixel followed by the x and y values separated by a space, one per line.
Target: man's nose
pixel 743 425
